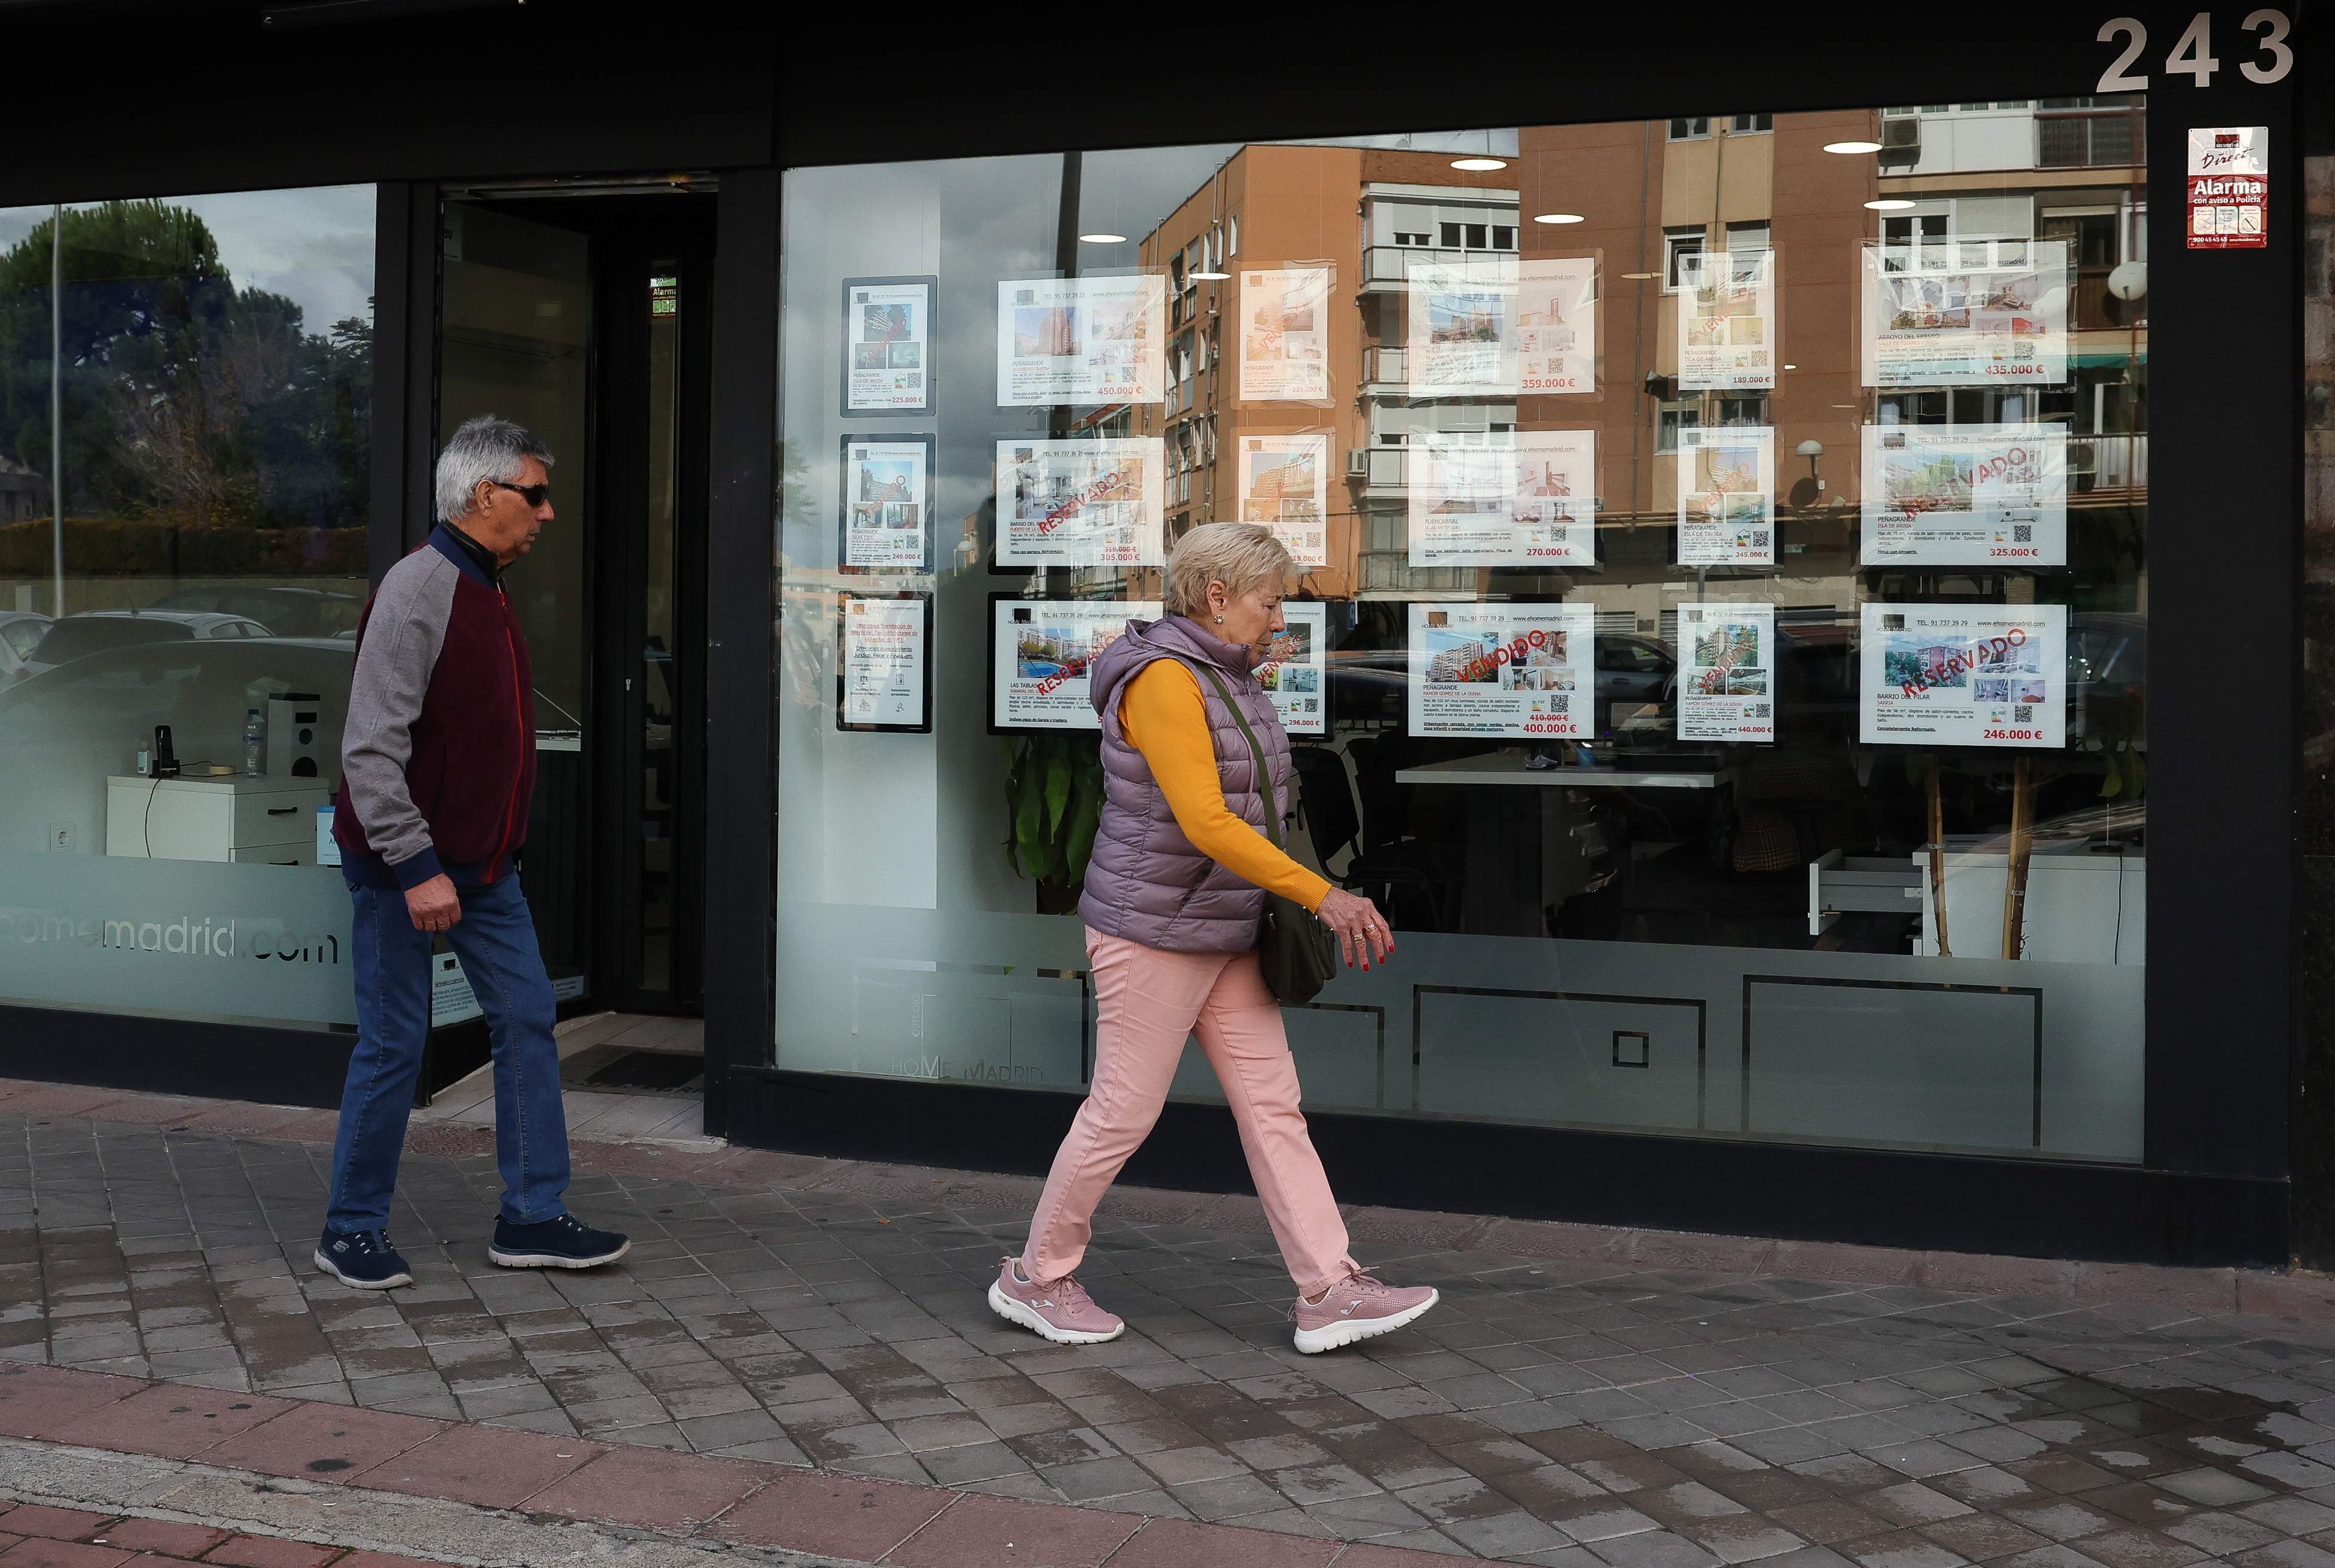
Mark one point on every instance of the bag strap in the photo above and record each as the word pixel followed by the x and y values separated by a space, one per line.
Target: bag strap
pixel 1257 755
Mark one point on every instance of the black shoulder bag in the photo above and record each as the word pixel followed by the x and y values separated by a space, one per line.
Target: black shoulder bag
pixel 1297 954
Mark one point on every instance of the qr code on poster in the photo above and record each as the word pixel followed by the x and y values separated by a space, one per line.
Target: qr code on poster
pixel 1758 710
pixel 1560 704
pixel 2023 714
pixel 2023 533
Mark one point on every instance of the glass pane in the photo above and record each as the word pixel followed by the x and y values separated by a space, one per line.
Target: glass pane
pixel 185 548
pixel 1730 684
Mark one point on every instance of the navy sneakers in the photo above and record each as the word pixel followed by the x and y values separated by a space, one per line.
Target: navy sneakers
pixel 565 1242
pixel 363 1258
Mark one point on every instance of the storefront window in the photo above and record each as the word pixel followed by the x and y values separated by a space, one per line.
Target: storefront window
pixel 1720 640
pixel 184 390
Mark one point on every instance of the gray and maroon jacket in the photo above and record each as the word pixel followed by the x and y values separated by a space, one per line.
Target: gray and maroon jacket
pixel 1147 882
pixel 438 757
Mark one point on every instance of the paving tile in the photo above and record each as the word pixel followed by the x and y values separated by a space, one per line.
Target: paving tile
pixel 163 1536
pixel 856 1519
pixel 271 1552
pixel 35 1553
pixel 1000 1533
pixel 171 1421
pixel 54 1523
pixel 39 1402
pixel 321 1441
pixel 483 1465
pixel 1182 1544
pixel 650 1488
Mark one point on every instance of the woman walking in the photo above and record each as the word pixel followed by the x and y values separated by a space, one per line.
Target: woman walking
pixel 1174 893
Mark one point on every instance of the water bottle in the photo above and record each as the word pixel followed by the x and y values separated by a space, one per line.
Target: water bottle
pixel 255 743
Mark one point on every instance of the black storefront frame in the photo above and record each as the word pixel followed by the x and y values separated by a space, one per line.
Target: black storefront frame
pixel 2222 1041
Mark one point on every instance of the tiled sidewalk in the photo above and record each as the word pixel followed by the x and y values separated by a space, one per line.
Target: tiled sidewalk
pixel 74 1538
pixel 1612 1405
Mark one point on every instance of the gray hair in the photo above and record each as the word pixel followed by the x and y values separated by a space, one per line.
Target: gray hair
pixel 484 448
pixel 1240 555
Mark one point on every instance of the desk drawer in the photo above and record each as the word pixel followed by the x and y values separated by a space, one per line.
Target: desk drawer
pixel 299 853
pixel 276 816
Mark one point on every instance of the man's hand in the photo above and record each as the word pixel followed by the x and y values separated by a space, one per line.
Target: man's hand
pixel 434 904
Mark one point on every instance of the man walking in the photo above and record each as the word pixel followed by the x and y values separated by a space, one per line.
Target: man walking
pixel 437 768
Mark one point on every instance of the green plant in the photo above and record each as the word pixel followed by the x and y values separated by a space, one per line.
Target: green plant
pixel 1053 801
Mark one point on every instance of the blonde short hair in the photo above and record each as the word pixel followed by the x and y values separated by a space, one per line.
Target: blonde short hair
pixel 1240 555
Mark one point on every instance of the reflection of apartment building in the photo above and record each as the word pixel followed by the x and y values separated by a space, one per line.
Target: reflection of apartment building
pixel 1646 198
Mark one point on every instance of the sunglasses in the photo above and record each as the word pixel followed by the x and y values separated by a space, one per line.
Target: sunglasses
pixel 533 495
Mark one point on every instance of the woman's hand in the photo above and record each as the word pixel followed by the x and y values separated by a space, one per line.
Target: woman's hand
pixel 1363 935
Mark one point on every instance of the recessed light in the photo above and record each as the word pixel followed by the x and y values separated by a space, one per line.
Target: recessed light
pixel 1211 276
pixel 1479 165
pixel 1791 367
pixel 1889 204
pixel 1852 147
pixel 1639 274
pixel 1558 217
pixel 1099 237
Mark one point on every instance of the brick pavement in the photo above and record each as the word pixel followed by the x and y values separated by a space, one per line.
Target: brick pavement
pixel 34 1536
pixel 1613 1405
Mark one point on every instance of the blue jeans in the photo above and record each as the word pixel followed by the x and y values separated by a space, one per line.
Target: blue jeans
pixel 495 940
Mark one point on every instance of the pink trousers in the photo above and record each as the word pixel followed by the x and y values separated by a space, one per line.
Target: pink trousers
pixel 1148 1003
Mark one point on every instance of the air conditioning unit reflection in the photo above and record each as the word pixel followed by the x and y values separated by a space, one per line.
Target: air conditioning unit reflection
pixel 1357 462
pixel 2083 457
pixel 1901 140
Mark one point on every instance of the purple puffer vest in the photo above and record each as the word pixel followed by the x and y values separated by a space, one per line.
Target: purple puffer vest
pixel 1145 881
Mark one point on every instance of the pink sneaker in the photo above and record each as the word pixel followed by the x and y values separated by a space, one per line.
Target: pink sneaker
pixel 1062 1312
pixel 1358 1307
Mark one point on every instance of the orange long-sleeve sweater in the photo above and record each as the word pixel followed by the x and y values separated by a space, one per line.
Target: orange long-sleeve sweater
pixel 1162 715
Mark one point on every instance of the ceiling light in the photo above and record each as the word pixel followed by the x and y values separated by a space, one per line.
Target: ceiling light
pixel 1638 274
pixel 1211 276
pixel 1852 147
pixel 1889 204
pixel 1558 217
pixel 1791 367
pixel 1479 165
pixel 1102 239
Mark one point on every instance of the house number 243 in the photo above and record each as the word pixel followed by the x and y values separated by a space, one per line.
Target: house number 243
pixel 2193 53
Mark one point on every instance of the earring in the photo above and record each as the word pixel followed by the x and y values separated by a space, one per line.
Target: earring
pixel 1220 619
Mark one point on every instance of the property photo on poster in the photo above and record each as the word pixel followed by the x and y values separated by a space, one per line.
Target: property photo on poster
pixel 1525 671
pixel 1727 321
pixel 1080 340
pixel 1285 334
pixel 1965 312
pixel 1964 675
pixel 1079 503
pixel 1965 495
pixel 1459 331
pixel 1556 326
pixel 887 344
pixel 1727 496
pixel 887 490
pixel 1040 654
pixel 883 663
pixel 1295 663
pixel 1509 499
pixel 1284 485
pixel 1727 671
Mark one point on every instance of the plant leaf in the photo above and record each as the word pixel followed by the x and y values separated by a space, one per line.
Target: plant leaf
pixel 1058 793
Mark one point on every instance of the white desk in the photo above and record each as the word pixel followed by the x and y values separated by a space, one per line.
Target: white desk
pixel 238 817
pixel 1508 767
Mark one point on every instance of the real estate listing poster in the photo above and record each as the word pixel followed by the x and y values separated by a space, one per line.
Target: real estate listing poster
pixel 1726 672
pixel 1965 312
pixel 1528 670
pixel 883 663
pixel 1458 339
pixel 1041 652
pixel 1285 337
pixel 1295 667
pixel 1964 675
pixel 887 490
pixel 1080 503
pixel 1504 499
pixel 1965 495
pixel 1556 326
pixel 887 344
pixel 1727 320
pixel 1285 486
pixel 1080 340
pixel 1727 496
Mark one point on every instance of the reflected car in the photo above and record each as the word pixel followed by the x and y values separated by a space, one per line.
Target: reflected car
pixel 94 631
pixel 65 731
pixel 289 612
pixel 21 632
